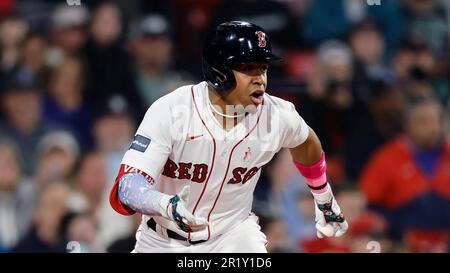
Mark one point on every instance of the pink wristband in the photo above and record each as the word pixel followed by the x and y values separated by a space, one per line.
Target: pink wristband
pixel 315 175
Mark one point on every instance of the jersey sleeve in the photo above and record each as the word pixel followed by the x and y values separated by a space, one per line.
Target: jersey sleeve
pixel 152 142
pixel 296 130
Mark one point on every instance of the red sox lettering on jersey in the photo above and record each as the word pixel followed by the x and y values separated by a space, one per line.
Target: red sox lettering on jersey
pixel 197 173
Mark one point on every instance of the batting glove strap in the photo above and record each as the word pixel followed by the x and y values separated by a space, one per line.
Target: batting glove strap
pixel 173 203
pixel 329 215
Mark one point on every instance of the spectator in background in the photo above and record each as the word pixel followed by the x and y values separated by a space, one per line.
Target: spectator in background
pixel 151 47
pixel 416 73
pixel 36 13
pixel 17 196
pixel 80 228
pixel 335 75
pixel 427 21
pixel 299 8
pixel 68 32
pixel 90 183
pixel 91 196
pixel 44 235
pixel 413 66
pixel 13 30
pixel 33 53
pixel 58 154
pixel 329 106
pixel 21 105
pixel 334 19
pixel 367 43
pixel 384 121
pixel 406 63
pixel 194 16
pixel 108 65
pixel 65 106
pixel 375 106
pixel 407 179
pixel 113 131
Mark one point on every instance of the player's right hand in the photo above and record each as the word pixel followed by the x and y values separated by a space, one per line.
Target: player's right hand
pixel 330 220
pixel 177 212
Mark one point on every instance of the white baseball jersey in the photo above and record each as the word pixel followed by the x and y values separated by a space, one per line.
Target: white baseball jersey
pixel 180 142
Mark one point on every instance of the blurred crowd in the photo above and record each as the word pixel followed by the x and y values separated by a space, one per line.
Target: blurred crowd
pixel 373 81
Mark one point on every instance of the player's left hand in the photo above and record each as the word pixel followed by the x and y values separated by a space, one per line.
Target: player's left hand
pixel 330 221
pixel 184 219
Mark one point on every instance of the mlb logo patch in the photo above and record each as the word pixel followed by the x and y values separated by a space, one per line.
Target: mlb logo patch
pixel 140 143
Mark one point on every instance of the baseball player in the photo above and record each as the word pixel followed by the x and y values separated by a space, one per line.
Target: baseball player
pixel 196 157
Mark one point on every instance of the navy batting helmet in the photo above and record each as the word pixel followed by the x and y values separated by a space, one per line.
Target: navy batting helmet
pixel 229 45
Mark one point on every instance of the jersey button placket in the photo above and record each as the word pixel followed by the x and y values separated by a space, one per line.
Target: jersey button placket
pixel 225 148
pixel 224 153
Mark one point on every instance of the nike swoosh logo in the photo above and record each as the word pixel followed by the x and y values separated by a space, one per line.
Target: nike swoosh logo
pixel 189 138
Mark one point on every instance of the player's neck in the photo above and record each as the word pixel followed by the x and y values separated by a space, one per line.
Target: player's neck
pixel 223 110
pixel 224 105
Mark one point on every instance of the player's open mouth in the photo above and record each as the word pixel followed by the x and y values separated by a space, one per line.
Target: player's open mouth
pixel 257 97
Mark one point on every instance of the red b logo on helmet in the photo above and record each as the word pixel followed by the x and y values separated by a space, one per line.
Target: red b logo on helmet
pixel 261 38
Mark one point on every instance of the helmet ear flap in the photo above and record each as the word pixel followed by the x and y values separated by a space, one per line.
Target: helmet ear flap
pixel 221 79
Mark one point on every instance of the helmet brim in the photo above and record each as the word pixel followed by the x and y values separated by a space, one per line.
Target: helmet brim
pixel 266 57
